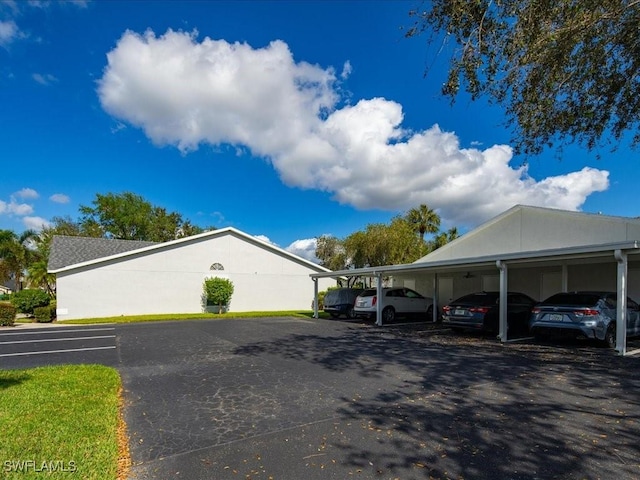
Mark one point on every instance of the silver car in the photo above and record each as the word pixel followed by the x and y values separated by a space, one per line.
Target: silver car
pixel 397 302
pixel 583 314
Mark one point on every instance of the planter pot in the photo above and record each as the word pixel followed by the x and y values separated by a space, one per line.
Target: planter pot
pixel 216 308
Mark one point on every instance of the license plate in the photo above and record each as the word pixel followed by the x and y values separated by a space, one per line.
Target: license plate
pixel 555 317
pixel 459 312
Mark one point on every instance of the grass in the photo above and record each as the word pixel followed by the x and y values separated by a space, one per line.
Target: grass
pixel 60 422
pixel 192 316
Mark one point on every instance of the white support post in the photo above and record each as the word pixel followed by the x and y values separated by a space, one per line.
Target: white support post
pixel 380 300
pixel 315 298
pixel 621 308
pixel 504 287
pixel 434 317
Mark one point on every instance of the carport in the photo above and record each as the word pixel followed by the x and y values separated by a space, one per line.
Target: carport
pixel 612 258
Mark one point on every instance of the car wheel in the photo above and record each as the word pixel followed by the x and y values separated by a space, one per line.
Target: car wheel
pixel 351 313
pixel 388 314
pixel 610 337
pixel 430 313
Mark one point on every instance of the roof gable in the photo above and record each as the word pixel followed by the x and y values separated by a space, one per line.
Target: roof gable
pixel 137 248
pixel 528 229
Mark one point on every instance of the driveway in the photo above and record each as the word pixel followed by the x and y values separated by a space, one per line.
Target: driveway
pixel 286 398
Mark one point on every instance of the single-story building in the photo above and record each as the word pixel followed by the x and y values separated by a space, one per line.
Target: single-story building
pixel 533 250
pixel 98 277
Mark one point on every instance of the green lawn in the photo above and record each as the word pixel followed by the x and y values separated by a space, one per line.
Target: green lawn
pixel 59 422
pixel 192 316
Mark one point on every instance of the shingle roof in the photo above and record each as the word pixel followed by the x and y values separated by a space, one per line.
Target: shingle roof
pixel 67 250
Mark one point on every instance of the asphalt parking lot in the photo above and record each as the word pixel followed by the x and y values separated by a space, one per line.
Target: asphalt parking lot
pixel 284 398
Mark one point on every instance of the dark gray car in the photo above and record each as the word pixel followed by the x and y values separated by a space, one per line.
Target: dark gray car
pixel 340 301
pixel 583 314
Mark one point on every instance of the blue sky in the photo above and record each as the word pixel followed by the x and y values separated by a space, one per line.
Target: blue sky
pixel 287 120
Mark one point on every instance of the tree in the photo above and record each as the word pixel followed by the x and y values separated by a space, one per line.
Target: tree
pixel 381 244
pixel 128 216
pixel 331 252
pixel 16 254
pixel 563 70
pixel 424 220
pixel 444 237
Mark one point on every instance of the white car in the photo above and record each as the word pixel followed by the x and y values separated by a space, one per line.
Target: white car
pixel 397 302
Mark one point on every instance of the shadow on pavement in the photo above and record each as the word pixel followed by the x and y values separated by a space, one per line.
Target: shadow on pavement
pixel 465 406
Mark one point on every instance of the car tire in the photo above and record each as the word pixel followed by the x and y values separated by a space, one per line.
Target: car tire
pixel 351 313
pixel 388 314
pixel 610 337
pixel 430 313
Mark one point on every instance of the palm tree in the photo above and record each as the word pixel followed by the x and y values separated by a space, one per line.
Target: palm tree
pixel 16 254
pixel 445 237
pixel 424 220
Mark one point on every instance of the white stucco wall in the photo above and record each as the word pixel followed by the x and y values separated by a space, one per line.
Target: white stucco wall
pixel 169 280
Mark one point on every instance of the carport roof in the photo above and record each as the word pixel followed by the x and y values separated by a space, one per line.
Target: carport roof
pixel 532 257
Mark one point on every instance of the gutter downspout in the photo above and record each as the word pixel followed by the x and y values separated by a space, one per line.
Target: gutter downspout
pixel 315 298
pixel 621 307
pixel 380 299
pixel 502 335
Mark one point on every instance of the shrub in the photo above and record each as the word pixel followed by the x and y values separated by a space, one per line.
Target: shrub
pixel 26 300
pixel 320 300
pixel 218 291
pixel 7 315
pixel 44 314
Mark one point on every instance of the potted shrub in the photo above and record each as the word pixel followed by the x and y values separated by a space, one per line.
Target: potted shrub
pixel 217 293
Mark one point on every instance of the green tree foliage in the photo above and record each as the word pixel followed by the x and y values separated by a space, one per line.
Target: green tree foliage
pixel 16 254
pixel 331 252
pixel 128 216
pixel 218 291
pixel 443 238
pixel 564 70
pixel 423 220
pixel 26 300
pixel 400 241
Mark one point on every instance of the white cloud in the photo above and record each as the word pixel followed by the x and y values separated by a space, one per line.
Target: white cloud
pixel 16 204
pixel 8 32
pixel 45 79
pixel 59 198
pixel 27 194
pixel 35 223
pixel 186 92
pixel 346 70
pixel 265 239
pixel 12 207
pixel 305 248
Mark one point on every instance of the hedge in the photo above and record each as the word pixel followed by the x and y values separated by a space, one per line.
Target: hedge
pixel 7 315
pixel 28 299
pixel 44 314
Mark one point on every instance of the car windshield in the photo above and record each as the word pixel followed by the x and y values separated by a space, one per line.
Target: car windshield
pixel 478 299
pixel 586 299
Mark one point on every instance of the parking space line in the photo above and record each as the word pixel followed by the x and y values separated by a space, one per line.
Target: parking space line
pixel 40 332
pixel 56 351
pixel 56 339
